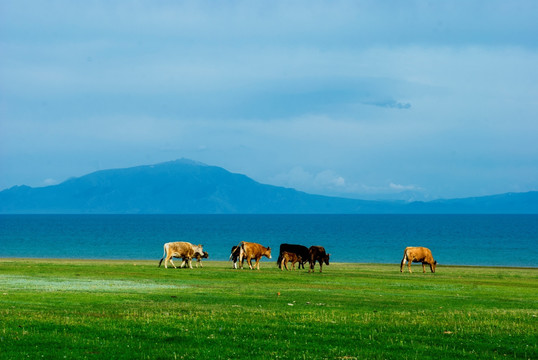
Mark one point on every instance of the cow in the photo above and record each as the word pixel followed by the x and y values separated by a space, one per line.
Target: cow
pixel 196 256
pixel 317 253
pixel 418 254
pixel 291 257
pixel 251 250
pixel 199 258
pixel 234 255
pixel 299 250
pixel 180 249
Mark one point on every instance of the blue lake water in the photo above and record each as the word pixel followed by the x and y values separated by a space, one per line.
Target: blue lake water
pixel 496 240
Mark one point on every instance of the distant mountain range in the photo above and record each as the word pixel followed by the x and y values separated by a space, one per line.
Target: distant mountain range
pixel 188 187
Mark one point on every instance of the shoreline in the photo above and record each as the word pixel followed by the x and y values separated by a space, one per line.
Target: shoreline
pixel 207 262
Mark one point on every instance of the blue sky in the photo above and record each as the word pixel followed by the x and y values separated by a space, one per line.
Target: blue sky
pixel 364 99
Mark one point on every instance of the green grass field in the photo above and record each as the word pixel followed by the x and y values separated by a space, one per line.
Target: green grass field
pixel 75 309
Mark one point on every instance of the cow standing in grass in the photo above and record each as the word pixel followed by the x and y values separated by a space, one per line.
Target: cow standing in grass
pixel 199 258
pixel 289 257
pixel 251 250
pixel 234 255
pixel 418 254
pixel 180 249
pixel 299 250
pixel 317 253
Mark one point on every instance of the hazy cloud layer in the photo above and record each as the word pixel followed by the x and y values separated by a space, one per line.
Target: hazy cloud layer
pixel 350 98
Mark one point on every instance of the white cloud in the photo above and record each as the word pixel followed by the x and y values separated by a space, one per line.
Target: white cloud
pixel 399 187
pixel 49 181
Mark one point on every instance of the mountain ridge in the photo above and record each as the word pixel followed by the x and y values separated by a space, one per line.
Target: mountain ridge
pixel 185 186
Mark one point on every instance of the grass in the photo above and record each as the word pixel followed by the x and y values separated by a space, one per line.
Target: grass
pixel 56 309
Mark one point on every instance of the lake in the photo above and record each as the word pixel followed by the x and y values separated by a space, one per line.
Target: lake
pixel 493 240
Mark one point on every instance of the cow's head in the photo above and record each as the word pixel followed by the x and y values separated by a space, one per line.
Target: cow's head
pixel 432 266
pixel 326 259
pixel 267 252
pixel 206 255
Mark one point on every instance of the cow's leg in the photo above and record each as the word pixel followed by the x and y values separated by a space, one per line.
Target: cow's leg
pixel 409 266
pixel 424 268
pixel 257 265
pixel 320 265
pixel 249 262
pixel 282 264
pixel 171 262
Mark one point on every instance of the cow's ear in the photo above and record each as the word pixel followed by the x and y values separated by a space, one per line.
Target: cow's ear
pixel 269 248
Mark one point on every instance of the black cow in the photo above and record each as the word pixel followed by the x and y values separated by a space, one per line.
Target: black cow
pixel 299 250
pixel 234 255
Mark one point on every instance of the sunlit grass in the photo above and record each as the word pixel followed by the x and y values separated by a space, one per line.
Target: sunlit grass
pixel 135 310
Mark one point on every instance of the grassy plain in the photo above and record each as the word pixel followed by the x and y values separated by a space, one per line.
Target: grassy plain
pixel 80 309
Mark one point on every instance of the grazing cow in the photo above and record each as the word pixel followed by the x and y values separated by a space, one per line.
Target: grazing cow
pixel 180 249
pixel 234 255
pixel 199 258
pixel 317 253
pixel 418 254
pixel 251 250
pixel 299 250
pixel 292 257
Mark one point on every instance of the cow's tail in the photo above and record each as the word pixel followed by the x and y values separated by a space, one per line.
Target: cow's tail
pixel 240 246
pixel 404 259
pixel 405 255
pixel 164 254
pixel 241 250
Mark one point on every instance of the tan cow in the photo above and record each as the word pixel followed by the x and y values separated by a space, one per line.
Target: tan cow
pixel 418 254
pixel 180 249
pixel 289 257
pixel 250 250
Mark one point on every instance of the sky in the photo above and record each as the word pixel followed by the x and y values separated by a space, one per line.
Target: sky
pixel 411 100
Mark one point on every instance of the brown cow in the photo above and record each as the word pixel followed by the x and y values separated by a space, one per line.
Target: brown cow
pixel 180 249
pixel 418 254
pixel 199 258
pixel 317 253
pixel 293 258
pixel 250 250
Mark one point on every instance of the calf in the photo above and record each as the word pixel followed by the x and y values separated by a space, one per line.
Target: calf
pixel 251 250
pixel 287 256
pixel 199 258
pixel 180 249
pixel 317 253
pixel 418 254
pixel 299 250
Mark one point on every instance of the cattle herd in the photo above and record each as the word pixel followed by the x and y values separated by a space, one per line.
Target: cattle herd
pixel 289 254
